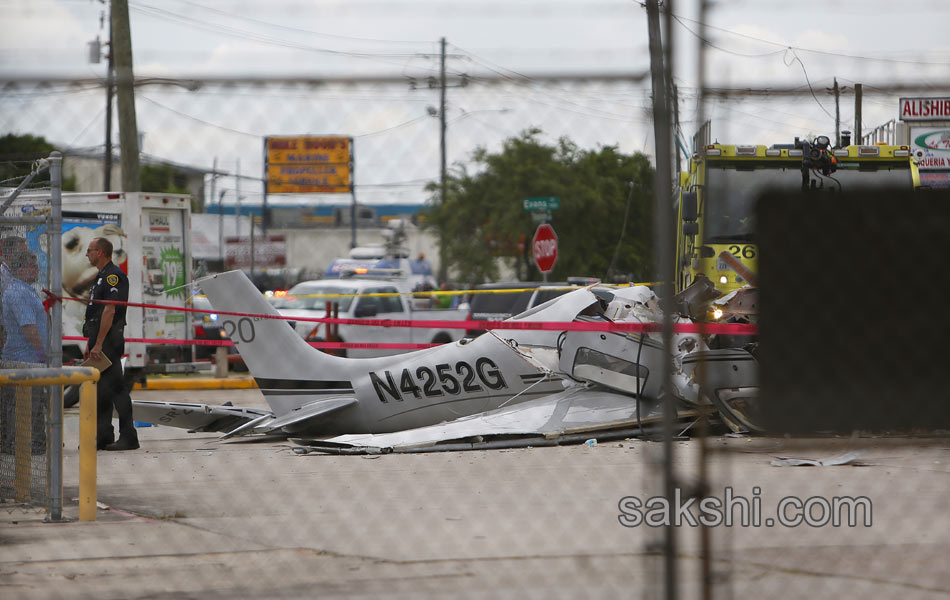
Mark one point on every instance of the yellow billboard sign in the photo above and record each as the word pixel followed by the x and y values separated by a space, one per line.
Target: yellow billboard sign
pixel 308 164
pixel 307 178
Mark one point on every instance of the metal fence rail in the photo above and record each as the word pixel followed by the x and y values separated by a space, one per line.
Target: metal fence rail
pixel 24 423
pixel 32 418
pixel 25 428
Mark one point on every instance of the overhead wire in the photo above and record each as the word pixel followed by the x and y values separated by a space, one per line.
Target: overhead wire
pixel 196 119
pixel 394 127
pixel 810 88
pixel 260 136
pixel 520 79
pixel 720 48
pixel 813 50
pixel 95 119
pixel 262 38
pixel 234 15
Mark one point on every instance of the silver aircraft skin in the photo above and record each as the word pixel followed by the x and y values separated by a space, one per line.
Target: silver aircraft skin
pixel 313 393
pixel 504 382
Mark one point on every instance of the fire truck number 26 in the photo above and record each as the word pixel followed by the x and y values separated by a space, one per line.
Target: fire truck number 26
pixel 746 252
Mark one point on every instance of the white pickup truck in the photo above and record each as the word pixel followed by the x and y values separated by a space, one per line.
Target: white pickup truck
pixel 365 299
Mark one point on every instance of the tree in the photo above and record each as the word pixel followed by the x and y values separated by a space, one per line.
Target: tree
pixel 164 178
pixel 17 154
pixel 482 217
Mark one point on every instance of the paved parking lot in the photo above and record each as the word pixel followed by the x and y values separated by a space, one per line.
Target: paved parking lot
pixel 186 516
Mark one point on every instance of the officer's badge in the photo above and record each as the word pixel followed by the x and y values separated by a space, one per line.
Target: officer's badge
pixel 112 280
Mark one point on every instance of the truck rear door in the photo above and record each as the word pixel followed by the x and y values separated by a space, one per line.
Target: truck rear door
pixel 164 271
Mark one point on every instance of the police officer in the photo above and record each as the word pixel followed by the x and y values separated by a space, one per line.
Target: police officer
pixel 104 327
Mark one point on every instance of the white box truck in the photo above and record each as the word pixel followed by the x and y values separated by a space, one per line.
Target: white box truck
pixel 151 237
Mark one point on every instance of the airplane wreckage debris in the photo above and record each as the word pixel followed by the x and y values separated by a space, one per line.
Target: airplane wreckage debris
pixel 506 388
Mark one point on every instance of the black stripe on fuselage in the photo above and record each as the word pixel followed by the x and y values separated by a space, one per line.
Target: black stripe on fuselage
pixel 302 384
pixel 305 392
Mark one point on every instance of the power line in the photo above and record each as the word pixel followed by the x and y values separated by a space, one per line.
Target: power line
pixel 406 123
pixel 299 30
pixel 810 88
pixel 803 49
pixel 196 119
pixel 261 38
pixel 721 49
pixel 259 136
pixel 530 82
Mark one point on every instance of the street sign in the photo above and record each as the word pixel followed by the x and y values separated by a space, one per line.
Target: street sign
pixel 540 217
pixel 542 204
pixel 544 248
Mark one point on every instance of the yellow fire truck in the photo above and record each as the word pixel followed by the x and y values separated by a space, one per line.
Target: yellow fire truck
pixel 716 234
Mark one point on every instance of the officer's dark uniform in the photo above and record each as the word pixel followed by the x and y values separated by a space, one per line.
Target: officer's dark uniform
pixel 111 284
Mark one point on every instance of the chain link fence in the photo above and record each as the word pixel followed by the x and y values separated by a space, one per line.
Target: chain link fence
pixel 826 481
pixel 25 336
pixel 219 125
pixel 254 519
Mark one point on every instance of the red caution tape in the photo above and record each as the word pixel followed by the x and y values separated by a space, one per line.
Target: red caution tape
pixel 330 345
pixel 604 326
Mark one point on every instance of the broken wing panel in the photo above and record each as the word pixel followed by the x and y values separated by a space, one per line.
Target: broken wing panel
pixel 574 410
pixel 196 417
pixel 304 417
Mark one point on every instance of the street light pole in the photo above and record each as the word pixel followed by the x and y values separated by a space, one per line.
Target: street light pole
pixel 221 227
pixel 443 268
pixel 110 86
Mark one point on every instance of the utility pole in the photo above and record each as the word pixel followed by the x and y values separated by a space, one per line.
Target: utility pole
pixel 858 93
pixel 214 179
pixel 237 192
pixel 110 87
pixel 837 115
pixel 663 225
pixel 443 268
pixel 676 132
pixel 128 129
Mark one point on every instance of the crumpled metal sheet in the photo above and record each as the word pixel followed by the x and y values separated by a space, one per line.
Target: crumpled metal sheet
pixel 848 458
pixel 575 410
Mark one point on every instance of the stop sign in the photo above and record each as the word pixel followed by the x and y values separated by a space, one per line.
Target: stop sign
pixel 544 247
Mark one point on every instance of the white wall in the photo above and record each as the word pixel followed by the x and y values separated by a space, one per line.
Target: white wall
pixel 314 249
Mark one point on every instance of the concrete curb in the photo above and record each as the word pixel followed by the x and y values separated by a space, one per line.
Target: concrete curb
pixel 197 383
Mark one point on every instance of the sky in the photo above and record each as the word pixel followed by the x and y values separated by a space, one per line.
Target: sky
pixel 504 47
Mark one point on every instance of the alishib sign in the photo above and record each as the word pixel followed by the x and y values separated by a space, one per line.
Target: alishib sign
pixel 308 164
pixel 924 109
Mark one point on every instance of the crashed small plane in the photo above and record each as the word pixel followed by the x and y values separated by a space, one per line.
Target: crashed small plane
pixel 507 383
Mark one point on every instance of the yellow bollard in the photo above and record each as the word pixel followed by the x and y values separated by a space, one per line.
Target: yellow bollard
pixel 23 442
pixel 87 451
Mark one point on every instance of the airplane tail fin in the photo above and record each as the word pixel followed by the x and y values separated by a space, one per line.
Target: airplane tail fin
pixel 271 348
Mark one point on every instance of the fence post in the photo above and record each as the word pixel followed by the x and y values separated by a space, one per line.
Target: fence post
pixel 55 345
pixel 220 362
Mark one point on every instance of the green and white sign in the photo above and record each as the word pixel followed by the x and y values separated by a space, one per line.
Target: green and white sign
pixel 542 204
